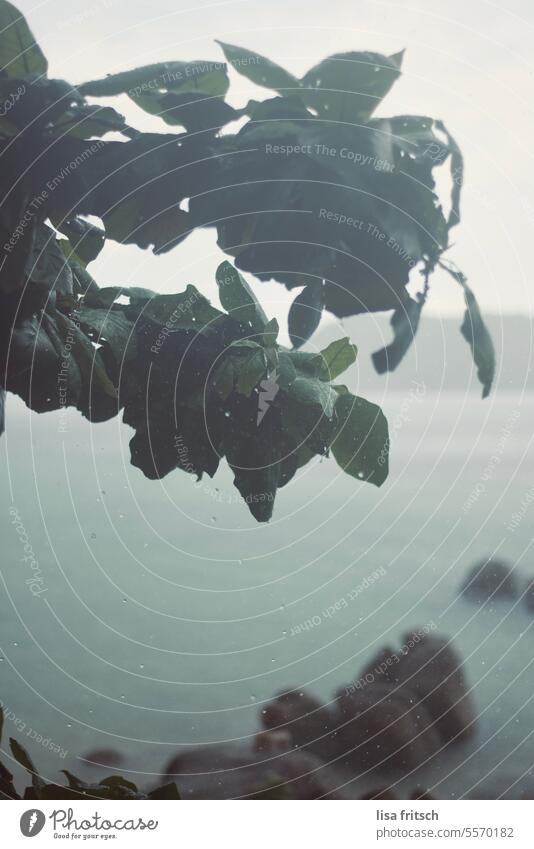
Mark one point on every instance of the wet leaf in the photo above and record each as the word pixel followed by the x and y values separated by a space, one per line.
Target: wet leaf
pixel 238 298
pixel 361 443
pixel 404 321
pixel 336 358
pixel 206 76
pixel 350 86
pixel 477 335
pixel 86 240
pixel 258 69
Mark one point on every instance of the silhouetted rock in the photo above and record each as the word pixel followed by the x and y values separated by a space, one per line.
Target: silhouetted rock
pixel 380 725
pixel 490 579
pixel 267 768
pixel 431 670
pixel 309 723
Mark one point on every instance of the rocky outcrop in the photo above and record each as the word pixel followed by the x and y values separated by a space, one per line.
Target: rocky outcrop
pixel 383 725
pixel 267 768
pixel 310 724
pixel 490 579
pixel 430 669
pixel 402 710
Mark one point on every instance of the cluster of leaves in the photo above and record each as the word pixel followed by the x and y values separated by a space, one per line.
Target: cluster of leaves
pixel 276 191
pixel 311 191
pixel 198 384
pixel 115 787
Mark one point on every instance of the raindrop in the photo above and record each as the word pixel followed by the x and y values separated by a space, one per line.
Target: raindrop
pixel 141 666
pixel 253 698
pixel 227 413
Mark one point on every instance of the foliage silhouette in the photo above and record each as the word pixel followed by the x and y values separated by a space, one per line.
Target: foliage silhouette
pixel 311 191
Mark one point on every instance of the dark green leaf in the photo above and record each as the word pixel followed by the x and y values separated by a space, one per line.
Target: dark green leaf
pixel 128 223
pixel 241 370
pixel 258 69
pixel 361 443
pixel 349 86
pixel 477 335
pixel 110 326
pixel 85 120
pixel 238 299
pixel 336 358
pixel 310 392
pixel 209 77
pixel 270 334
pixel 20 55
pixel 47 264
pixel 196 111
pixel 21 755
pixel 457 175
pixel 404 321
pixel 187 310
pixel 86 240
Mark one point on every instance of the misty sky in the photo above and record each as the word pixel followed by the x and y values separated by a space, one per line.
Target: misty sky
pixel 468 63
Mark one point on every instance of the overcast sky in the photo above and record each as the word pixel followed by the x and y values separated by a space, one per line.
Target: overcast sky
pixel 468 63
